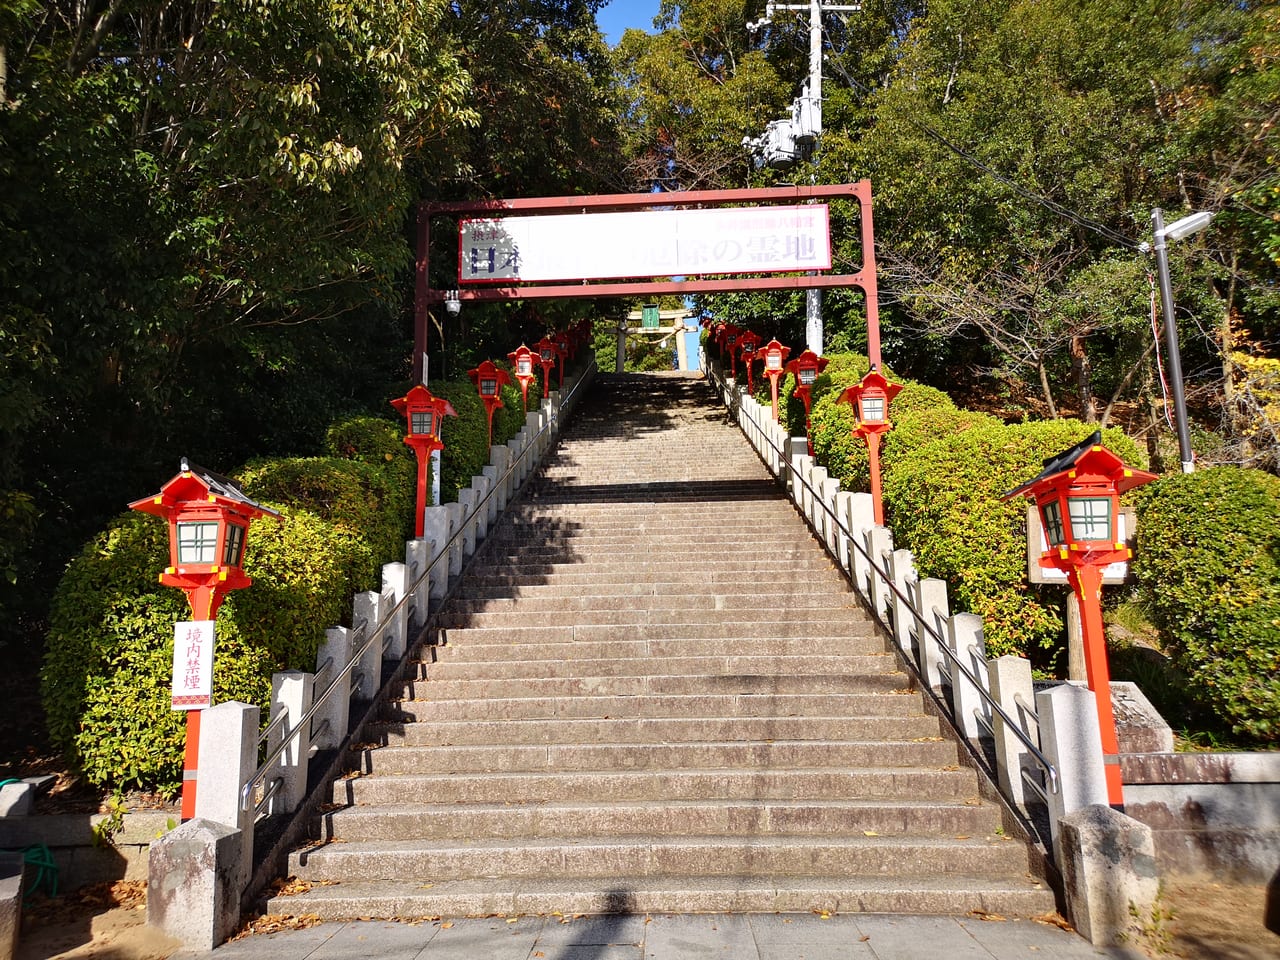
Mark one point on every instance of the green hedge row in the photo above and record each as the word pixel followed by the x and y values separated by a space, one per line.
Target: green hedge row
pixel 1207 558
pixel 1208 562
pixel 106 677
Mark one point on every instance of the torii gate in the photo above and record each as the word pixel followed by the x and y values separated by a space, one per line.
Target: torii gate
pixel 496 270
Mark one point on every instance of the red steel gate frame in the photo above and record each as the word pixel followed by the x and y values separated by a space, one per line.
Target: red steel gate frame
pixel 601 203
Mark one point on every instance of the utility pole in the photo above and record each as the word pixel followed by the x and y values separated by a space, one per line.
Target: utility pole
pixel 784 141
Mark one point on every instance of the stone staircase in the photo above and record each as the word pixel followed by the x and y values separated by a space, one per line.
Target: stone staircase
pixel 654 693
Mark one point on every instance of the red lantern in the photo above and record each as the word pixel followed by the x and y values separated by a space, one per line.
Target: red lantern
pixel 489 381
pixel 806 368
pixel 564 349
pixel 522 359
pixel 547 354
pixel 870 400
pixel 747 343
pixel 208 517
pixel 425 415
pixel 774 354
pixel 1078 498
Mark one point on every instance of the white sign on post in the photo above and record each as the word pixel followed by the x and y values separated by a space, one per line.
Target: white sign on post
pixel 192 665
pixel 648 243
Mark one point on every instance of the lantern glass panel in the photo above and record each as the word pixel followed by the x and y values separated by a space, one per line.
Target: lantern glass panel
pixel 872 409
pixel 488 387
pixel 1051 516
pixel 197 541
pixel 233 552
pixel 773 360
pixel 524 366
pixel 548 354
pixel 807 376
pixel 421 421
pixel 1090 518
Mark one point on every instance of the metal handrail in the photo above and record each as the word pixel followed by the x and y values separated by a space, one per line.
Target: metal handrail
pixel 269 764
pixel 883 574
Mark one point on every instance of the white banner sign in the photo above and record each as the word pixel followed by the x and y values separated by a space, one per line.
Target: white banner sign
pixel 192 665
pixel 645 243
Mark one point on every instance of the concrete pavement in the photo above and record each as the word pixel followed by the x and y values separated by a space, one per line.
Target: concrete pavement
pixel 665 937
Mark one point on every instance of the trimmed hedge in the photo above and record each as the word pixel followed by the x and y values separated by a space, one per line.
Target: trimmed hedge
pixel 1208 561
pixel 466 436
pixel 109 655
pixel 943 503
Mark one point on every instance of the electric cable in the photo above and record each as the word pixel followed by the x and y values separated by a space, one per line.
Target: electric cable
pixel 1027 194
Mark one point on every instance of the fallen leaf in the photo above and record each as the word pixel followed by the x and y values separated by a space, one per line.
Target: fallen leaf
pixel 991 917
pixel 870 833
pixel 963 837
pixel 863 939
pixel 1053 920
pixel 446 925
pixel 512 919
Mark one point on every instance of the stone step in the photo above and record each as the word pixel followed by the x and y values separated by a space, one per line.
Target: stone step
pixel 626 590
pixel 904 703
pixel 653 571
pixel 463 648
pixel 1017 896
pixel 653 730
pixel 657 686
pixel 658 856
pixel 745 535
pixel 831 818
pixel 768 601
pixel 742 621
pixel 517 667
pixel 752 633
pixel 664 786
pixel 583 757
pixel 633 552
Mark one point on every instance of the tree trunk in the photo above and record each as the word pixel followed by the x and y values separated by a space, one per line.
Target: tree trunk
pixel 1045 388
pixel 1083 371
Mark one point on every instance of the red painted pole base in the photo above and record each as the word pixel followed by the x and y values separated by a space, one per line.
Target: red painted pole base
pixel 190 763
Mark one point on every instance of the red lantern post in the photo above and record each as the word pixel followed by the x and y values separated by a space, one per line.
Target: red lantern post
pixel 489 380
pixel 563 349
pixel 1078 498
pixel 870 400
pixel 729 344
pixel 774 354
pixel 547 353
pixel 806 368
pixel 522 360
pixel 747 343
pixel 425 415
pixel 208 517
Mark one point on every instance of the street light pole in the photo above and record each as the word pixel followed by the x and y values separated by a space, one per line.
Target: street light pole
pixel 1175 231
pixel 813 333
pixel 807 114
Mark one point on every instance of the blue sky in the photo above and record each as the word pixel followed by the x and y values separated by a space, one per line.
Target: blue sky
pixel 621 14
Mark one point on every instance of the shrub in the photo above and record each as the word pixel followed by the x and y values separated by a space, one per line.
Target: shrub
pixel 370 440
pixel 466 437
pixel 943 502
pixel 109 655
pixel 1208 561
pixel 370 501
